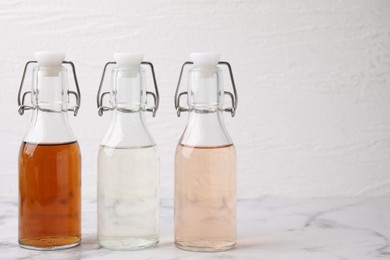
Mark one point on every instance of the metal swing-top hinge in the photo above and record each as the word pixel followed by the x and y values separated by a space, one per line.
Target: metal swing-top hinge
pixel 21 98
pixel 233 96
pixel 100 95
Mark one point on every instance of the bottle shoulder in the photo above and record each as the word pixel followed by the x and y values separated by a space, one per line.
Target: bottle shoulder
pixel 49 128
pixel 127 131
pixel 207 130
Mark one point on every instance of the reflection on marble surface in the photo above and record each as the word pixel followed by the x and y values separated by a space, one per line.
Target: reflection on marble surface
pixel 320 229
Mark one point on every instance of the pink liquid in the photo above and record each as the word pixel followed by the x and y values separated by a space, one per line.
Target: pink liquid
pixel 205 198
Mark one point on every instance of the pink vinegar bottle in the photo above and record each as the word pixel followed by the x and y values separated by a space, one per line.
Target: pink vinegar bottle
pixel 205 162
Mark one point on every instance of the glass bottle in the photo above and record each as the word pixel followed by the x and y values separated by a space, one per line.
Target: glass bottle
pixel 49 160
pixel 205 162
pixel 128 164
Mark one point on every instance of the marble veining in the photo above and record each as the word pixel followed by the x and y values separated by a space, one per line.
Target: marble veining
pixel 329 229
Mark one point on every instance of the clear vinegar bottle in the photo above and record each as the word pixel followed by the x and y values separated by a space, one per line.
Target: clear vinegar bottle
pixel 205 162
pixel 49 160
pixel 128 164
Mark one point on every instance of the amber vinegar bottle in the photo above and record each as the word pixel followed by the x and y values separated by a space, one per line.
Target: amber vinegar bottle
pixel 205 162
pixel 49 160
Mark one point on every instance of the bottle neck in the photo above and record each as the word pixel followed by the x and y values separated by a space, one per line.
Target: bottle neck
pixel 205 125
pixel 50 122
pixel 50 89
pixel 127 130
pixel 49 128
pixel 128 92
pixel 205 90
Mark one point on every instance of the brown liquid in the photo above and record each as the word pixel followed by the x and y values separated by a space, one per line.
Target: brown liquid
pixel 49 195
pixel 205 198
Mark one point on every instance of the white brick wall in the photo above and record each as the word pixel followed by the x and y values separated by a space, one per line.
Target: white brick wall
pixel 313 80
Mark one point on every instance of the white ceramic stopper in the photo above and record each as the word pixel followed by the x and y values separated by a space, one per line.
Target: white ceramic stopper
pixel 49 58
pixel 205 59
pixel 124 59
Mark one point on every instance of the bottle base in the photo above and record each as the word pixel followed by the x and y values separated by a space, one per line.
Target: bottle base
pixel 205 245
pixel 49 243
pixel 128 244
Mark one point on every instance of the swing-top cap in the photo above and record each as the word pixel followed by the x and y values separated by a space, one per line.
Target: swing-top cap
pixel 205 59
pixel 49 58
pixel 125 59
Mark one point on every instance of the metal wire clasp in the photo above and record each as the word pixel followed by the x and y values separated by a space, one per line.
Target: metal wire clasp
pixel 100 95
pixel 233 96
pixel 21 98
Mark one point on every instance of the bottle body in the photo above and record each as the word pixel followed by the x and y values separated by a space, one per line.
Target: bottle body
pixel 128 202
pixel 49 195
pixel 128 167
pixel 49 165
pixel 205 197
pixel 205 165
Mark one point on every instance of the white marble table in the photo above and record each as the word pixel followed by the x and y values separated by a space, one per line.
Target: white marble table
pixel 268 229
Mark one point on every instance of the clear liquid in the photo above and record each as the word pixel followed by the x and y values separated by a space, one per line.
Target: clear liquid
pixel 205 198
pixel 128 200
